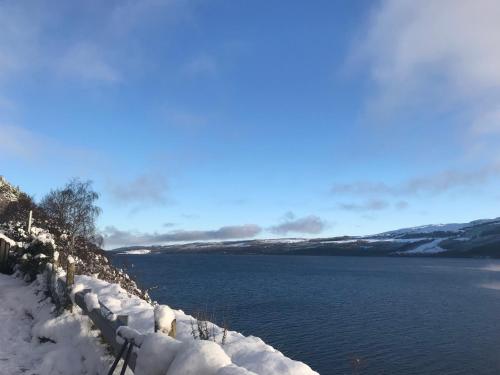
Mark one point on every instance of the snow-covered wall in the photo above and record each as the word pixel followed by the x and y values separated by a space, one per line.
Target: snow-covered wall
pixel 238 355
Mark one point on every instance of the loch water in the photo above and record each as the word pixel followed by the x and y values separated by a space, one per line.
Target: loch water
pixel 343 315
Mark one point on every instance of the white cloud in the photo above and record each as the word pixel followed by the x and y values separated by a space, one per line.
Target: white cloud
pixel 144 189
pixel 435 54
pixel 25 145
pixel 437 183
pixel 371 205
pixel 306 225
pixel 37 36
pixel 455 42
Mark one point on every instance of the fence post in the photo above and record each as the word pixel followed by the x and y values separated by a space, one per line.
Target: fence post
pixel 3 254
pixel 52 276
pixel 160 310
pixel 70 280
pixel 29 221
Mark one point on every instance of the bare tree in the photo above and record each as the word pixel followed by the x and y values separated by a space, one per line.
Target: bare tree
pixel 73 209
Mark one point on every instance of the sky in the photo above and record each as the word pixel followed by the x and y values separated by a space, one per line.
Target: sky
pixel 217 120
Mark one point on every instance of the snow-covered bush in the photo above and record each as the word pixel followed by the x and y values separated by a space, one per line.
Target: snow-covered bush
pixel 202 328
pixel 34 259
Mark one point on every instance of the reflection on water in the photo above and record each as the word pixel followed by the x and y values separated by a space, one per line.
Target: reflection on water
pixel 492 267
pixel 491 286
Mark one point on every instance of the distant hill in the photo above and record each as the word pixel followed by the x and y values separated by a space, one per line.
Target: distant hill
pixel 479 238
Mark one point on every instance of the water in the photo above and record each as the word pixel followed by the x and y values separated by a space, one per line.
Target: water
pixel 345 315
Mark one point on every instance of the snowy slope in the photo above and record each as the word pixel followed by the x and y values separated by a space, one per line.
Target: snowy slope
pixel 431 247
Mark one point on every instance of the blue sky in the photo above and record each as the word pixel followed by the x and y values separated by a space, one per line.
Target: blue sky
pixel 209 120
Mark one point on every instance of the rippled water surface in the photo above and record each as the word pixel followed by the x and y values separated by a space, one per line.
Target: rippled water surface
pixel 344 315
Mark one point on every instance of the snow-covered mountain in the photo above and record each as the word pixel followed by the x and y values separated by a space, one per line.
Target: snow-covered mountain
pixel 479 238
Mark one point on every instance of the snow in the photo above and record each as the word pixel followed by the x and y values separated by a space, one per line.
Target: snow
pixel 234 370
pixel 34 341
pixel 199 357
pixel 427 248
pixel 455 227
pixel 164 316
pixel 91 301
pixel 131 335
pixel 136 252
pixel 283 240
pixel 43 236
pixel 156 354
pixel 250 353
pixel 7 239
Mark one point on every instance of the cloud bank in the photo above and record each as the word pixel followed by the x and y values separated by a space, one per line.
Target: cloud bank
pixel 433 184
pixel 411 45
pixel 114 237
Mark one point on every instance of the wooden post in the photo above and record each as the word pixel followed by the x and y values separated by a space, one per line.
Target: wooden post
pixel 70 280
pixel 173 329
pixel 30 217
pixel 6 253
pixel 3 256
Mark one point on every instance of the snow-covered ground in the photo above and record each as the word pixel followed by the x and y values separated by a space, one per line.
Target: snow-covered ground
pixel 239 354
pixel 35 342
pixel 136 252
pixel 427 248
